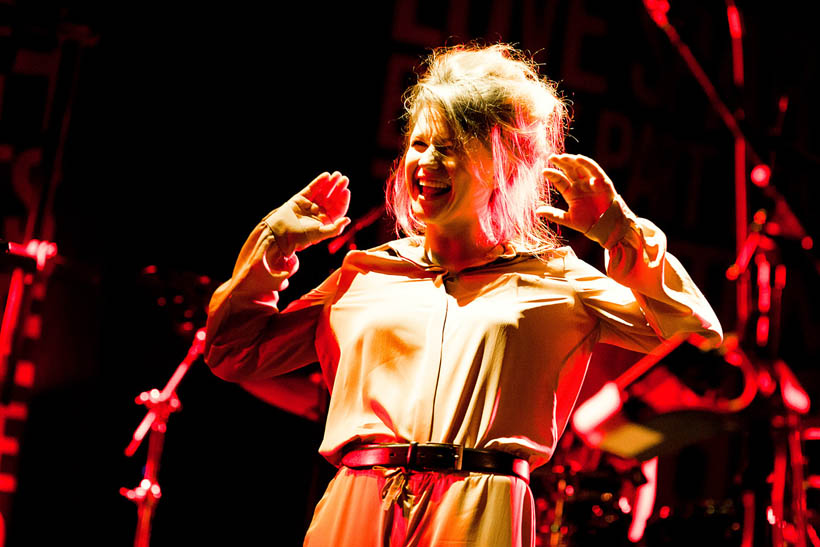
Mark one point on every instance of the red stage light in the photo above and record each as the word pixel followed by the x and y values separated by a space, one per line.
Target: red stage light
pixel 734 358
pixel 770 516
pixel 761 175
pixel 762 331
pixel 780 276
pixel 794 396
pixel 735 29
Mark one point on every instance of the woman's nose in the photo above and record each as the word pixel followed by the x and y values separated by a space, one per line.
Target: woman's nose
pixel 429 157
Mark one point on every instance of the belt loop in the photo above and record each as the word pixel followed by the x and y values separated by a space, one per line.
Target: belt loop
pixel 459 456
pixel 411 454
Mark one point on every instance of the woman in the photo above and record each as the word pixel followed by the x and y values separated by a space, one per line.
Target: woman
pixel 454 355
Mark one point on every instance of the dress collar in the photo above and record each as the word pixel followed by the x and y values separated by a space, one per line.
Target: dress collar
pixel 412 250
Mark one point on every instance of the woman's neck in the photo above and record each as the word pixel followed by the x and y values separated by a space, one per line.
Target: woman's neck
pixel 456 250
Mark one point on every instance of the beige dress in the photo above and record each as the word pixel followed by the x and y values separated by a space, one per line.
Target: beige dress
pixel 490 357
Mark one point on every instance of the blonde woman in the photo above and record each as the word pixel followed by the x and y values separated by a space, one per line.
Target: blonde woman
pixel 454 354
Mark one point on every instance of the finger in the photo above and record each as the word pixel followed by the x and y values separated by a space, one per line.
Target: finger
pixel 315 187
pixel 326 189
pixel 341 204
pixel 558 179
pixel 334 228
pixel 339 184
pixel 308 207
pixel 562 159
pixel 338 199
pixel 592 167
pixel 568 164
pixel 553 214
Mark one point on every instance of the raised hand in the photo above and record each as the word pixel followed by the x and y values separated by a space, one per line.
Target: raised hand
pixel 585 187
pixel 314 214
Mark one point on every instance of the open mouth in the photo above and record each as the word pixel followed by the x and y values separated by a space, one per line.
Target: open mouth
pixel 430 188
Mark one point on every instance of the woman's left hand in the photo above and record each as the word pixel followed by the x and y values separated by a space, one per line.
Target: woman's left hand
pixel 585 187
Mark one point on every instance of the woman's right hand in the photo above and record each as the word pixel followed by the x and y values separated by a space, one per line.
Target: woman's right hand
pixel 314 214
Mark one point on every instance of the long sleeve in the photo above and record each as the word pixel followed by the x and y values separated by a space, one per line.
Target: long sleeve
pixel 247 337
pixel 647 276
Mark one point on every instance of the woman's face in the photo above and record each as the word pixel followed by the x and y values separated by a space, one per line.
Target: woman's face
pixel 447 188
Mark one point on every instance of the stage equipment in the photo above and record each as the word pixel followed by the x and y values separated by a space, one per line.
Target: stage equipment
pixel 648 410
pixel 774 490
pixel 160 405
pixel 31 266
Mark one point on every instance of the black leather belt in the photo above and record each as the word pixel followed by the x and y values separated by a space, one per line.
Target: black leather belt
pixel 437 456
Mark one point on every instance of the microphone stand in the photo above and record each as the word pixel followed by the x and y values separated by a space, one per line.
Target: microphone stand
pixel 160 405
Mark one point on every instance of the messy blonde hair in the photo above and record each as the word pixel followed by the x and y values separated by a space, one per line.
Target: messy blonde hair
pixel 493 94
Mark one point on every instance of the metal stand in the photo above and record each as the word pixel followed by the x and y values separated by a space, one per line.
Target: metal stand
pixel 160 405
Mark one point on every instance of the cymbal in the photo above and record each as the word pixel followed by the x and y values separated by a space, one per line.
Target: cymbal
pixel 662 434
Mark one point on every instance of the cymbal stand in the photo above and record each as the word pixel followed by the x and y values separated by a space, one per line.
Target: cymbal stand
pixel 160 405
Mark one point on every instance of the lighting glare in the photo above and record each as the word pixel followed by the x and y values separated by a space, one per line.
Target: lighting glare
pixel 735 29
pixel 794 396
pixel 595 410
pixel 644 500
pixel 762 331
pixel 761 175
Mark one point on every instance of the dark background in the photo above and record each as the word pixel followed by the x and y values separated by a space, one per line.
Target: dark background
pixel 189 123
